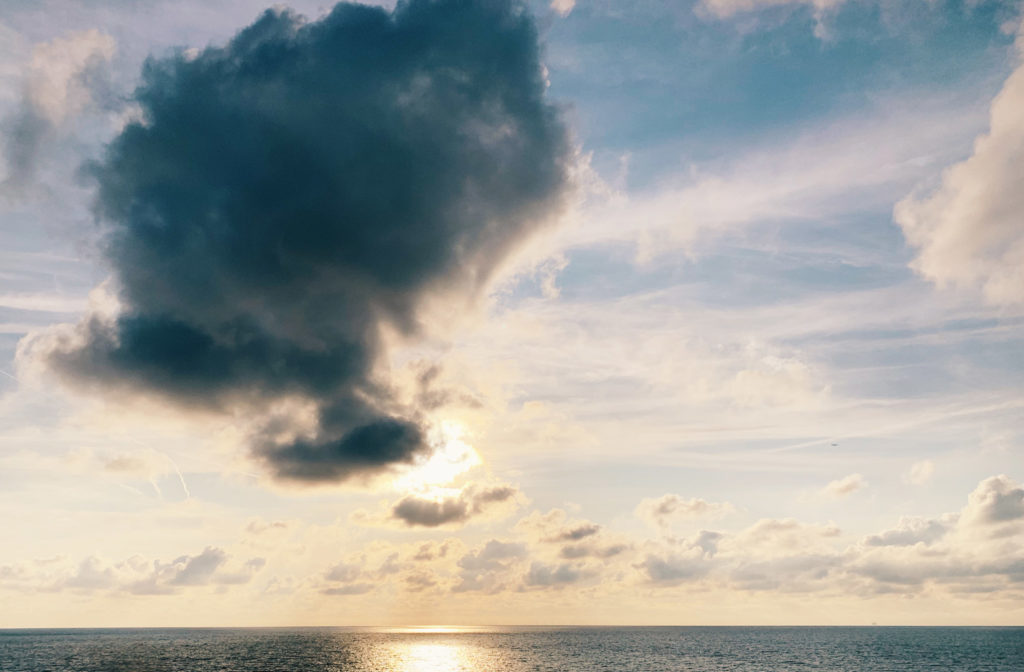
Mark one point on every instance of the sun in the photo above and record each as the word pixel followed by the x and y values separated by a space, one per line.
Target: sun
pixel 451 457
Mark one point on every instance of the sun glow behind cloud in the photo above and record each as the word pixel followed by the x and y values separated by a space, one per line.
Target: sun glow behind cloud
pixel 451 458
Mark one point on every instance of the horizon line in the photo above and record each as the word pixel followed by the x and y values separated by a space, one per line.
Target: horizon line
pixel 468 629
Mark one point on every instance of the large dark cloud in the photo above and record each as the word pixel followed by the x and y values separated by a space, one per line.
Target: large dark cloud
pixel 292 194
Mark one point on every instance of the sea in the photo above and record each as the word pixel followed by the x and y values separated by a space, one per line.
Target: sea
pixel 526 649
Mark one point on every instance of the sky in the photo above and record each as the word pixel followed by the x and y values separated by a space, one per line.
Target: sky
pixel 481 312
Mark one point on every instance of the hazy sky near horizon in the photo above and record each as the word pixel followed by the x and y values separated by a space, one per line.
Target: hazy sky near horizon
pixel 484 313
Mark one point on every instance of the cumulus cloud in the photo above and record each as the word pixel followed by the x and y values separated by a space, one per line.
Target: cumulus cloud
pixel 980 548
pixel 426 511
pixel 973 551
pixel 577 532
pixel 920 472
pixel 291 199
pixel 209 567
pixel 661 512
pixel 486 569
pixel 797 573
pixel 910 531
pixel 353 577
pixel 438 507
pixel 136 575
pixel 64 77
pixel 494 554
pixel 771 554
pixel 775 537
pixel 419 581
pixel 967 232
pixel 675 567
pixel 995 503
pixel 556 527
pixel 675 561
pixel 258 527
pixel 197 570
pixel 592 550
pixel 431 551
pixel 344 572
pixel 576 539
pixel 545 576
pixel 844 487
pixel 349 589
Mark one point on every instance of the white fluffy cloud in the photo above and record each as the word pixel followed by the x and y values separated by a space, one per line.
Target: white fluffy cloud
pixel 135 575
pixel 574 539
pixel 969 232
pixel 662 511
pixel 911 531
pixel 843 487
pixel 974 551
pixel 920 472
pixel 977 550
pixel 996 505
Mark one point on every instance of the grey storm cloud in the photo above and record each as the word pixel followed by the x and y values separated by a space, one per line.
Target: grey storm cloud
pixel 288 197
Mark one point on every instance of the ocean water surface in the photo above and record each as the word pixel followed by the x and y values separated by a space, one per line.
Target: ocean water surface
pixel 664 649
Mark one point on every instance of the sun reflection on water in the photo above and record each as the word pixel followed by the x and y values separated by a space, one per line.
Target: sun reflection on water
pixel 432 657
pixel 435 629
pixel 430 648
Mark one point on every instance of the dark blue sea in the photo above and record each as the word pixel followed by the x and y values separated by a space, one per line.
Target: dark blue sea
pixel 513 649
